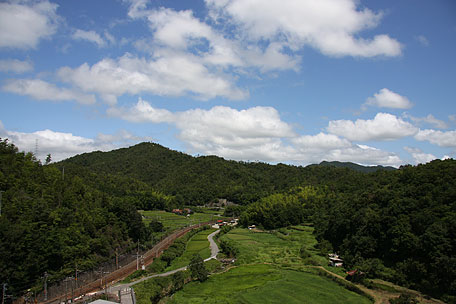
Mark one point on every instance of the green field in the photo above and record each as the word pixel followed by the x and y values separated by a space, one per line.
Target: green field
pixel 262 283
pixel 269 269
pixel 197 244
pixel 173 221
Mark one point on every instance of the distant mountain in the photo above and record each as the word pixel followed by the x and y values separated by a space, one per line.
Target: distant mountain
pixel 356 167
pixel 199 180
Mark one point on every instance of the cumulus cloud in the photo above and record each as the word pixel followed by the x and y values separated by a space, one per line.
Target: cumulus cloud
pixel 256 35
pixel 169 75
pixel 388 99
pixel 24 23
pixel 383 127
pixel 429 119
pixel 316 148
pixel 15 66
pixel 142 112
pixel 180 30
pixel 436 137
pixel 256 133
pixel 63 145
pixel 330 26
pixel 419 156
pixel 42 90
pixel 90 36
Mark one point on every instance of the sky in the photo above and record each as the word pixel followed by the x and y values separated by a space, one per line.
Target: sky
pixel 276 81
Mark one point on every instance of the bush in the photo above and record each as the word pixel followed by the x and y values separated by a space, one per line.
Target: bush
pixel 157 266
pixel 303 253
pixel 404 298
pixel 228 247
pixel 311 261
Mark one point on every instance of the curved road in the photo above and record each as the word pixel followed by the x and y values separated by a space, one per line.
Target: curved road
pixel 214 251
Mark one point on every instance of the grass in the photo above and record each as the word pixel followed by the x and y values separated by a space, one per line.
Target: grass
pixel 262 283
pixel 280 248
pixel 173 221
pixel 197 244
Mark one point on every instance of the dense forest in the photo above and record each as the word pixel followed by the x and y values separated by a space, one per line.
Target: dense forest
pixel 199 180
pixel 51 222
pixel 399 225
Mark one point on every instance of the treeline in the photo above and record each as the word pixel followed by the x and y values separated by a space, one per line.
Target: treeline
pixel 398 225
pixel 184 179
pixel 55 223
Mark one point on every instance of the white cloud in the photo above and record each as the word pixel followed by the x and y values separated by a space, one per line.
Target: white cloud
pixel 90 36
pixel 142 112
pixel 262 36
pixel 24 23
pixel 316 148
pixel 15 66
pixel 63 145
pixel 41 90
pixel 430 119
pixel 168 75
pixel 253 134
pixel 419 156
pixel 436 137
pixel 383 127
pixel 423 40
pixel 389 99
pixel 331 26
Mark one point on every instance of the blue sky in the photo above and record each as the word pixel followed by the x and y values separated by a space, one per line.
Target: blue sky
pixel 288 81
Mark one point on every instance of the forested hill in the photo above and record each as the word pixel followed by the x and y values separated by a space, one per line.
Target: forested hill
pixel 198 180
pixel 356 167
pixel 56 223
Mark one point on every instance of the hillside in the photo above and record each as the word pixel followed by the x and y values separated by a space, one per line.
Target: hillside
pixel 356 167
pixel 198 180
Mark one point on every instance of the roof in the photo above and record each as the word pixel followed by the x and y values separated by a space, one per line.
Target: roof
pixel 102 302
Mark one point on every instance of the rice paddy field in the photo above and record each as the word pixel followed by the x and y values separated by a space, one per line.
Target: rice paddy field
pixel 197 244
pixel 264 283
pixel 173 221
pixel 269 269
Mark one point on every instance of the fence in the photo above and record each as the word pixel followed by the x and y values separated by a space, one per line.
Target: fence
pixel 108 274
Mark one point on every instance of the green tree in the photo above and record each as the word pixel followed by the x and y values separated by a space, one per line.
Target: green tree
pixel 48 159
pixel 197 268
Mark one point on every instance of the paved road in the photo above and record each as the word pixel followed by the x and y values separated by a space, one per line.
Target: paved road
pixel 214 248
pixel 214 251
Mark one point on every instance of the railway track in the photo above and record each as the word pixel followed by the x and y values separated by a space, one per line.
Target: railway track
pixel 125 271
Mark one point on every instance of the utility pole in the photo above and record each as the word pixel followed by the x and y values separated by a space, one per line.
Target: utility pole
pixel 117 258
pixel 137 257
pixel 4 293
pixel 45 286
pixel 1 191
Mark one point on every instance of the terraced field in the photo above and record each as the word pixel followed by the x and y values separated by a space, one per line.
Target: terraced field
pixel 173 221
pixel 269 269
pixel 197 244
pixel 263 283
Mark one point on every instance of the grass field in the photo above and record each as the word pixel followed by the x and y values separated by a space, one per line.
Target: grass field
pixel 173 221
pixel 262 283
pixel 197 244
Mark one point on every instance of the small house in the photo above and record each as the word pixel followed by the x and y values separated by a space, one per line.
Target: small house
pixel 177 211
pixel 335 260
